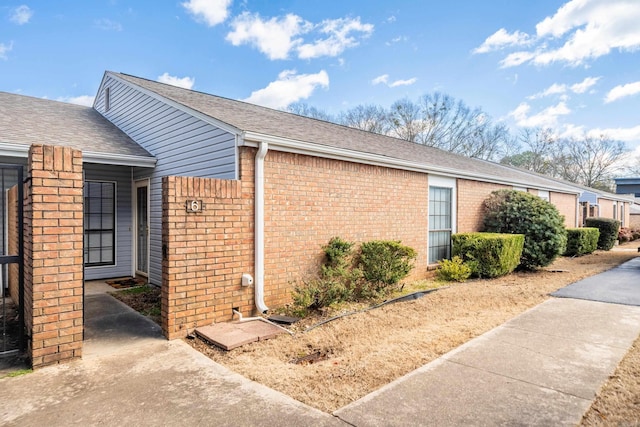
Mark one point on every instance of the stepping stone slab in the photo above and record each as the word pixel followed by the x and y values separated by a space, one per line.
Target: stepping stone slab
pixel 231 335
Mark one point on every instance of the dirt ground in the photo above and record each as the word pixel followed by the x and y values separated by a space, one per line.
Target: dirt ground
pixel 341 361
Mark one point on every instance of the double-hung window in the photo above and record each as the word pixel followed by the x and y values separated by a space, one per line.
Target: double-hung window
pixel 440 223
pixel 99 223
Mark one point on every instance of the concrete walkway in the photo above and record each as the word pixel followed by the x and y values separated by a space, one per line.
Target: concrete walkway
pixel 543 367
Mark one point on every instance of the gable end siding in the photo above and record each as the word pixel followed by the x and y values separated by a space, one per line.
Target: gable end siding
pixel 182 144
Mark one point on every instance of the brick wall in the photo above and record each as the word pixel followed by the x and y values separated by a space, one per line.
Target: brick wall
pixel 471 195
pixel 12 238
pixel 566 204
pixel 205 253
pixel 53 242
pixel 309 200
pixel 605 208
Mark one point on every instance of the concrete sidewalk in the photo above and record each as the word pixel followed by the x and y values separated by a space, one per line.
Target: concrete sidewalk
pixel 130 375
pixel 543 367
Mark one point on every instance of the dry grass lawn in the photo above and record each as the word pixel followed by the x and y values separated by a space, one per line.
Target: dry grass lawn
pixel 360 353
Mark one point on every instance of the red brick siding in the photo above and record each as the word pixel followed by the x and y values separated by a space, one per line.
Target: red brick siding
pixel 605 208
pixel 205 253
pixel 53 254
pixel 309 200
pixel 471 195
pixel 567 205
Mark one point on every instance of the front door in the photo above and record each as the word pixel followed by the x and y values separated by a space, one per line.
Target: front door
pixel 142 227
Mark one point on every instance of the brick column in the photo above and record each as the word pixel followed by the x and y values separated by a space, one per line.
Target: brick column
pixel 53 251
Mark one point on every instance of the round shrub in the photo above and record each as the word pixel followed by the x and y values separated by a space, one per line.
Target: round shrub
pixel 517 212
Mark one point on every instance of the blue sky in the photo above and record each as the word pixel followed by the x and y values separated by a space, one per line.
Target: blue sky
pixel 572 65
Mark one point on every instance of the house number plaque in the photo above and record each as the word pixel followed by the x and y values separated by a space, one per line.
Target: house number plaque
pixel 194 205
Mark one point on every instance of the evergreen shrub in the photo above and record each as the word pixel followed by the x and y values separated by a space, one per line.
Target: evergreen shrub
pixel 608 231
pixel 581 241
pixel 489 254
pixel 518 212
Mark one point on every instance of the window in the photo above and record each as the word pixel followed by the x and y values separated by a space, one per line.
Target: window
pixel 544 195
pixel 99 223
pixel 615 210
pixel 440 223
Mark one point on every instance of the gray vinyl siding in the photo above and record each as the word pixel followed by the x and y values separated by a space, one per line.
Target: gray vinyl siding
pixel 121 175
pixel 182 144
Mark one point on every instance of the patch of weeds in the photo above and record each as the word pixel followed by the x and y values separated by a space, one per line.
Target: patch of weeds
pixel 18 373
pixel 146 300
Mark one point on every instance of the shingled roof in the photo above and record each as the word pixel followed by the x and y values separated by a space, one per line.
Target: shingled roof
pixel 25 120
pixel 246 117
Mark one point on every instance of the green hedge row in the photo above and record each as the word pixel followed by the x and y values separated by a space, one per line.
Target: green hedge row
pixel 608 231
pixel 489 254
pixel 581 241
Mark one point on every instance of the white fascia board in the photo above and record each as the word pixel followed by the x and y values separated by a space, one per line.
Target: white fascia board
pixel 251 139
pixel 14 150
pixel 195 113
pixel 118 159
pixel 22 151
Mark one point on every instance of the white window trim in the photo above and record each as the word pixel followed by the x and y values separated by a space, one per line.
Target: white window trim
pixel 115 227
pixel 446 182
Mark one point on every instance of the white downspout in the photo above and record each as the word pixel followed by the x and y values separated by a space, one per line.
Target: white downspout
pixel 263 147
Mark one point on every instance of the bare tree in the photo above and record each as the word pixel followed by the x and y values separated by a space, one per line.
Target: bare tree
pixel 539 152
pixel 302 109
pixel 592 161
pixel 405 119
pixel 371 118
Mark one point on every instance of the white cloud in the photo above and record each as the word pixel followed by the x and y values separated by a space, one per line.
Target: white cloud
pixel 108 25
pixel 547 118
pixel 560 89
pixel 384 79
pixel 341 36
pixel 275 37
pixel 516 58
pixel 622 91
pixel 4 49
pixel 183 82
pixel 584 85
pixel 407 82
pixel 279 36
pixel 289 88
pixel 211 12
pixel 21 15
pixel 501 39
pixel 86 100
pixel 554 89
pixel 579 31
pixel 621 134
pixel 380 79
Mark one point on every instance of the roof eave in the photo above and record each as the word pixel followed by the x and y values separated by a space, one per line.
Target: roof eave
pixel 251 139
pixel 22 151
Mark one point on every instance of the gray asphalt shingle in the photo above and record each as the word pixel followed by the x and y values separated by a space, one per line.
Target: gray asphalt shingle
pixel 25 120
pixel 249 117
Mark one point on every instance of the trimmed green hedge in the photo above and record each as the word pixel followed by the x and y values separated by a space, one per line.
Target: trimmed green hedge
pixel 489 254
pixel 581 241
pixel 608 231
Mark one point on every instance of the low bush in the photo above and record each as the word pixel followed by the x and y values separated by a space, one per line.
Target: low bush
pixel 608 231
pixel 348 276
pixel 489 254
pixel 625 235
pixel 453 270
pixel 581 241
pixel 635 233
pixel 383 264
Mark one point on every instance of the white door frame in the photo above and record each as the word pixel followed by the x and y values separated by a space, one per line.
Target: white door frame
pixel 138 184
